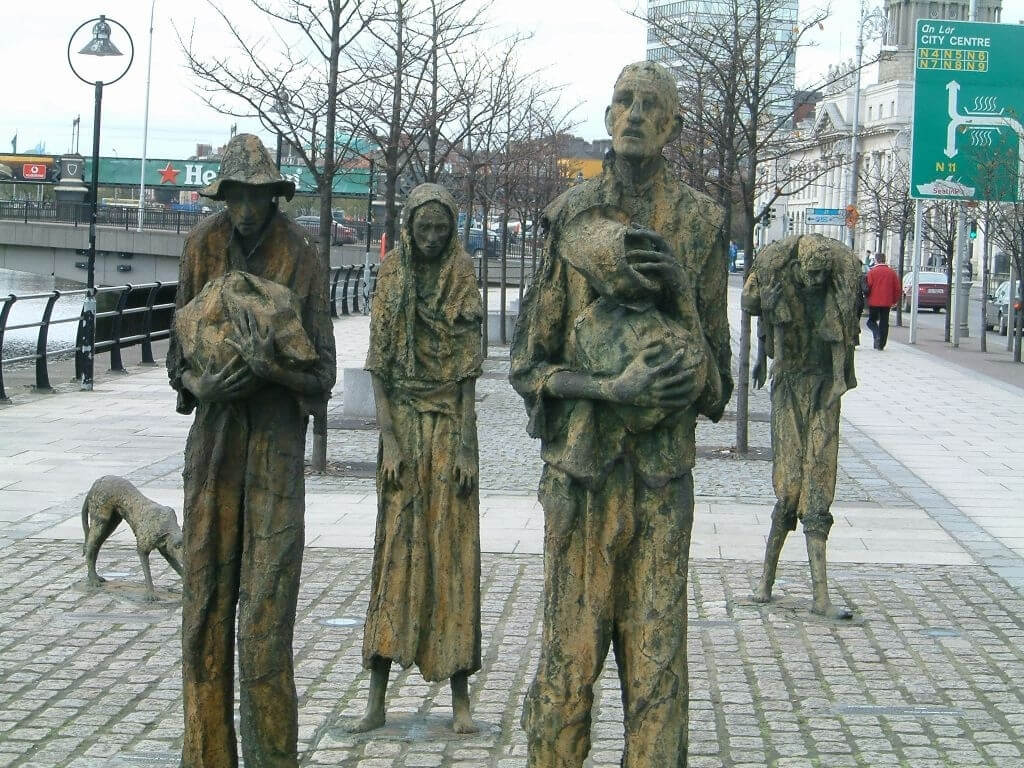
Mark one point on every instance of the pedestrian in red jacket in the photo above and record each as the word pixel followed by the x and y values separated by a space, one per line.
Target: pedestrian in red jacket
pixel 883 295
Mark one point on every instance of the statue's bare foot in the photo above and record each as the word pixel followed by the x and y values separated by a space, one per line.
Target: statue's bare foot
pixel 463 723
pixel 95 579
pixel 830 611
pixel 368 722
pixel 763 593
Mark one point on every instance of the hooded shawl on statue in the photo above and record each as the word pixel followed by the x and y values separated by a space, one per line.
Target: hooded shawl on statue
pixel 424 342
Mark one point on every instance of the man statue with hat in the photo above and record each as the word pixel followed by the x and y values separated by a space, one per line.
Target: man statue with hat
pixel 251 352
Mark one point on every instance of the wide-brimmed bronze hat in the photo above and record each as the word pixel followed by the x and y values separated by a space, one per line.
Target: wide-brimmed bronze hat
pixel 247 161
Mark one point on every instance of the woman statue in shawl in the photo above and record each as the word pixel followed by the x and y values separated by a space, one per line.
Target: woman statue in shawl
pixel 425 357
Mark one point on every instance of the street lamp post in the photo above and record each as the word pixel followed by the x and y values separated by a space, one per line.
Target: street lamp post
pixel 145 121
pixel 100 45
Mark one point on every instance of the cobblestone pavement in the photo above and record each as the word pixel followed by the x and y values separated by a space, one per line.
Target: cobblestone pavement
pixel 927 550
pixel 91 677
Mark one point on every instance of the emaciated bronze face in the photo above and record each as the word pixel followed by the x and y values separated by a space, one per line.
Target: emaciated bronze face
pixel 248 206
pixel 431 230
pixel 643 115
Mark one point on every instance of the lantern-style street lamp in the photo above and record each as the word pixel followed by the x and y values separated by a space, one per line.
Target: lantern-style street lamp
pixel 100 47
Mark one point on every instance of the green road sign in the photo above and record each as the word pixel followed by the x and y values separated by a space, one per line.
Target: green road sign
pixel 968 107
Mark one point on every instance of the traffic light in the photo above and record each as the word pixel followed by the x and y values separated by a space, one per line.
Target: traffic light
pixel 790 224
pixel 974 229
pixel 769 216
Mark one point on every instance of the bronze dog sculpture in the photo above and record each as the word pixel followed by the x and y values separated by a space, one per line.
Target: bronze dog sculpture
pixel 113 499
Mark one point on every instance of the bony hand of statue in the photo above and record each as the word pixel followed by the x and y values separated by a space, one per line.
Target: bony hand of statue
pixel 655 379
pixel 760 373
pixel 213 386
pixel 464 473
pixel 255 345
pixel 771 297
pixel 650 257
pixel 835 393
pixel 391 460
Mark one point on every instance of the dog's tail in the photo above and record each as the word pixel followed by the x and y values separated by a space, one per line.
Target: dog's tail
pixel 85 519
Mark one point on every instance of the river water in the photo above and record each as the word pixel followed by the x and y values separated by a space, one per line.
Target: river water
pixel 22 341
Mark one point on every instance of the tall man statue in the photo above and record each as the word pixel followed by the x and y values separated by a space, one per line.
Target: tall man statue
pixel 623 339
pixel 251 353
pixel 805 290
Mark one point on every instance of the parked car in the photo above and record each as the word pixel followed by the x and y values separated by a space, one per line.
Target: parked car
pixel 931 290
pixel 997 311
pixel 476 243
pixel 741 260
pixel 340 234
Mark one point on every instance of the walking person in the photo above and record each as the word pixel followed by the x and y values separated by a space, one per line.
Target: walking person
pixel 883 294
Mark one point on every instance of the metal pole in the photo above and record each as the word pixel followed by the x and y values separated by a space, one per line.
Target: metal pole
pixel 918 226
pixel 89 309
pixel 954 305
pixel 366 257
pixel 855 123
pixel 145 122
pixel 278 151
pixel 985 255
pixel 1009 306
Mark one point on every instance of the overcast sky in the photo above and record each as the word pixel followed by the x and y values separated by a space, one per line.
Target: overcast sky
pixel 581 43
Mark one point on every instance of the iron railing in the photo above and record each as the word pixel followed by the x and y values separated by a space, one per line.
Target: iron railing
pixel 114 344
pixel 78 214
pixel 347 296
pixel 348 289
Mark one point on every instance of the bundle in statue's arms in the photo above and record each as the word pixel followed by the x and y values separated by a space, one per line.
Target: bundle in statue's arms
pixel 632 311
pixel 206 324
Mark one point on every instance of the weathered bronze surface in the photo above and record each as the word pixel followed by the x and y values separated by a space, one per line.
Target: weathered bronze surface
pixel 425 358
pixel 805 290
pixel 623 339
pixel 243 476
pixel 113 499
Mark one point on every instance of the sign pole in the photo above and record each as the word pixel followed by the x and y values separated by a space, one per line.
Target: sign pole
pixel 958 263
pixel 918 226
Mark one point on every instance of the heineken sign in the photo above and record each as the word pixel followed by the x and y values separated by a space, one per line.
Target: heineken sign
pixel 968 111
pixel 195 174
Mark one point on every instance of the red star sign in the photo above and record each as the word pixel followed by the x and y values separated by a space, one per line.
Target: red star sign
pixel 168 175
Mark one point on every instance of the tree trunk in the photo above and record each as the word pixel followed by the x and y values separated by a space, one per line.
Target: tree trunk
pixel 743 363
pixel 394 133
pixel 949 289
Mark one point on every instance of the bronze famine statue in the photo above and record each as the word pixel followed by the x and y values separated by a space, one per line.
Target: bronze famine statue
pixel 425 358
pixel 252 351
pixel 623 339
pixel 804 288
pixel 113 499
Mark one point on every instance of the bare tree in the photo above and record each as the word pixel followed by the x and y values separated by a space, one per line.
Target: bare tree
pixel 735 64
pixel 300 50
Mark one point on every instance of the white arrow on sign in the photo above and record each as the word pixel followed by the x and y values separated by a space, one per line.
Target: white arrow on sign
pixel 980 122
pixel 971 121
